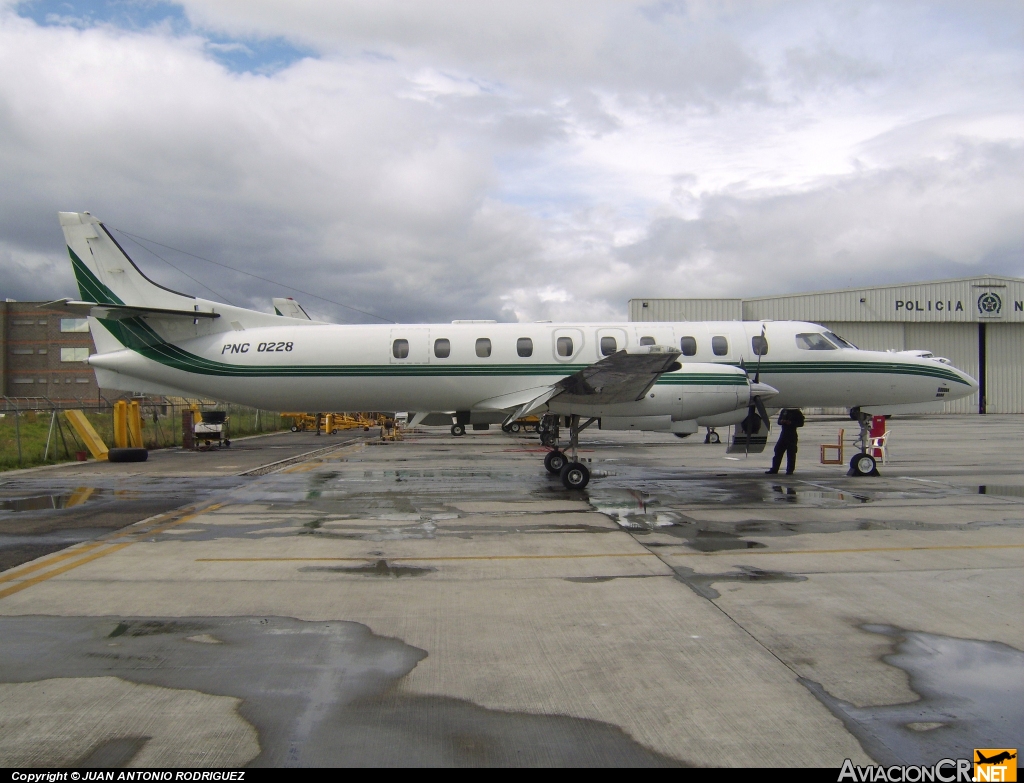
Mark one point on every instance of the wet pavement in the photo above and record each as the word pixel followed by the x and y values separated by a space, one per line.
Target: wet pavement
pixel 443 601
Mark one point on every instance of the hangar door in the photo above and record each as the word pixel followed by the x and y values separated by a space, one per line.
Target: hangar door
pixel 1004 359
pixel 956 342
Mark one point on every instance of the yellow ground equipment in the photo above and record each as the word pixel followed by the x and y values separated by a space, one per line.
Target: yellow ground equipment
pixel 89 436
pixel 331 423
pixel 127 424
pixel 389 428
pixel 525 424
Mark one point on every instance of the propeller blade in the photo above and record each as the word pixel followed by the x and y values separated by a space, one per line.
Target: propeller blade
pixel 757 373
pixel 762 412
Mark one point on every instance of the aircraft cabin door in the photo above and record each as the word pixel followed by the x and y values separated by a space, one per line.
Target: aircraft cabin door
pixel 609 341
pixel 566 344
pixel 409 345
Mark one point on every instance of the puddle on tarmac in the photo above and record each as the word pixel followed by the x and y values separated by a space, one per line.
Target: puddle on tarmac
pixel 972 696
pixel 701 583
pixel 379 568
pixel 319 693
pixel 68 499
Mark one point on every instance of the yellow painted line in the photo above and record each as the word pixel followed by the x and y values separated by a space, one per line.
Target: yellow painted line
pixel 373 559
pixel 48 561
pixel 844 551
pixel 149 531
pixel 57 571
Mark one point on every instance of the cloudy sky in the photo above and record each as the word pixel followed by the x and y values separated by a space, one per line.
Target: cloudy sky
pixel 442 159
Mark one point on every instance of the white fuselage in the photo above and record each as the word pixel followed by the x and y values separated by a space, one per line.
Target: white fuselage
pixel 355 367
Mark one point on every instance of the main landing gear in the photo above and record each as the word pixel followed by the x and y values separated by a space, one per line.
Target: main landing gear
pixel 574 474
pixel 863 464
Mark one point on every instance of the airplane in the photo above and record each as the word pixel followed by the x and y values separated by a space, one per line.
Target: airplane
pixel 996 759
pixel 670 377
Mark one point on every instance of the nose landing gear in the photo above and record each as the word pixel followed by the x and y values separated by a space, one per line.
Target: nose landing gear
pixel 863 464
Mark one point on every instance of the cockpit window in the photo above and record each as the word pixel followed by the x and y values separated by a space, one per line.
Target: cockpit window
pixel 840 341
pixel 813 341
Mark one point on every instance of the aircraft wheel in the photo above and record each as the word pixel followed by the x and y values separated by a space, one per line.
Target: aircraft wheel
pixel 458 430
pixel 575 475
pixel 506 428
pixel 127 455
pixel 554 462
pixel 682 434
pixel 862 465
pixel 294 428
pixel 714 438
pixel 514 426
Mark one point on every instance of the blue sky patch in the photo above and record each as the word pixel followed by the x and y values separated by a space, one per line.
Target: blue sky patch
pixel 255 55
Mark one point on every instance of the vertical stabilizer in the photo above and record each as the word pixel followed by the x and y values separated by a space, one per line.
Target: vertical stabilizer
pixel 105 273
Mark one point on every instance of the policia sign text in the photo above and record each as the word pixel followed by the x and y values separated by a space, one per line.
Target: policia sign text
pixel 941 306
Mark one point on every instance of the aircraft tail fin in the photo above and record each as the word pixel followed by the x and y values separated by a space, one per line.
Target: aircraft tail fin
pixel 289 308
pixel 104 271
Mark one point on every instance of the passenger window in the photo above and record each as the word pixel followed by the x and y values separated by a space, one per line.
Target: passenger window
pixel 608 346
pixel 759 344
pixel 400 349
pixel 688 345
pixel 564 346
pixel 719 345
pixel 483 347
pixel 524 347
pixel 442 348
pixel 813 341
pixel 648 341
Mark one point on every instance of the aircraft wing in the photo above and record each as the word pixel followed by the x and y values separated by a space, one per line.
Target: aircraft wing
pixel 625 376
pixel 120 312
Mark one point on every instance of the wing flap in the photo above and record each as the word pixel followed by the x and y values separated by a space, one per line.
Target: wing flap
pixel 624 376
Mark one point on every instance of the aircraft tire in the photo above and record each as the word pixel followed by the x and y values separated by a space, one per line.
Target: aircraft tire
pixel 554 461
pixel 506 428
pixel 514 427
pixel 127 455
pixel 863 465
pixel 458 430
pixel 575 475
pixel 714 438
pixel 682 434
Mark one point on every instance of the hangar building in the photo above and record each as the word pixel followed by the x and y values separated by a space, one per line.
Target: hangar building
pixel 975 322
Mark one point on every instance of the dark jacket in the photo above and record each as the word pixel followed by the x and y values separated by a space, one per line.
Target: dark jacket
pixel 789 420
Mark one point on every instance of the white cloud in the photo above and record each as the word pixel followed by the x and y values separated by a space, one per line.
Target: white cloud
pixel 446 160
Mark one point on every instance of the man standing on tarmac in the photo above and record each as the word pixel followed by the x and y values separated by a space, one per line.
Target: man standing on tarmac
pixel 789 420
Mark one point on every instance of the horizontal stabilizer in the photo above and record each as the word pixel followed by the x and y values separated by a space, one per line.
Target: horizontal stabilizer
pixel 120 312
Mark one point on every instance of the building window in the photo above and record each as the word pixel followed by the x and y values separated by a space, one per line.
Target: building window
pixel 23 322
pixel 42 351
pixel 21 351
pixel 608 346
pixel 74 354
pixel 759 344
pixel 442 348
pixel 563 345
pixel 813 342
pixel 524 347
pixel 74 324
pixel 42 322
pixel 81 380
pixel 22 380
pixel 648 341
pixel 483 347
pixel 400 349
pixel 688 345
pixel 719 345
